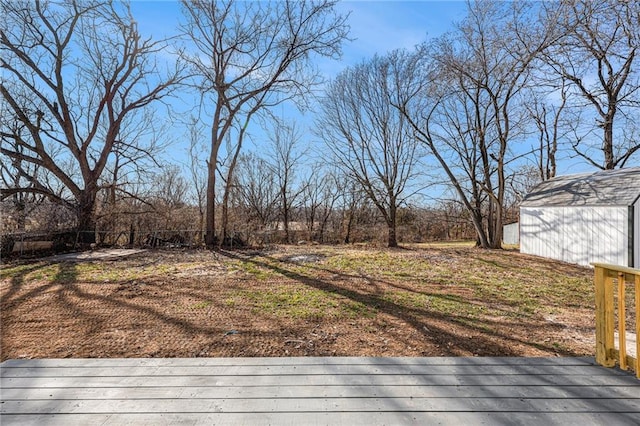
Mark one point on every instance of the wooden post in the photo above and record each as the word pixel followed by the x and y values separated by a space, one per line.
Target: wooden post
pixel 604 310
pixel 601 352
pixel 637 294
pixel 609 318
pixel 622 326
pixel 605 315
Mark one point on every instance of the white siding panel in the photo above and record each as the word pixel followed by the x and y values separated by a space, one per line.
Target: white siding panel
pixel 576 243
pixel 527 230
pixel 576 234
pixel 538 229
pixel 556 234
pixel 610 236
pixel 511 233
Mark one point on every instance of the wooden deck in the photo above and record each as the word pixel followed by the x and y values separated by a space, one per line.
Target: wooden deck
pixel 301 391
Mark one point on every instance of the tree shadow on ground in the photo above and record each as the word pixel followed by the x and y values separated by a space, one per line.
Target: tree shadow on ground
pixel 433 326
pixel 176 316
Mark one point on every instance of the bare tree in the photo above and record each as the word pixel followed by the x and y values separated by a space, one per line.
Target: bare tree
pixel 521 182
pixel 197 171
pixel 228 174
pixel 463 97
pixel 257 189
pixel 352 201
pixel 598 57
pixel 284 159
pixel 252 55
pixel 16 173
pixel 552 128
pixel 321 192
pixel 169 188
pixel 76 75
pixel 370 139
pixel 127 173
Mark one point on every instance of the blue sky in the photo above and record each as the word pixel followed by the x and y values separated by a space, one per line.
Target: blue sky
pixel 381 26
pixel 376 27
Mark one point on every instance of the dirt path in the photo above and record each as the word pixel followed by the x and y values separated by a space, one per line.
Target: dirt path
pixel 87 256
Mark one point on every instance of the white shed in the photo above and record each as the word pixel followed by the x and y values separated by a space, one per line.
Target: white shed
pixel 591 217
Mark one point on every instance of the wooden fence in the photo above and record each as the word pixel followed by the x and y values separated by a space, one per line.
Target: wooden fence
pixel 612 283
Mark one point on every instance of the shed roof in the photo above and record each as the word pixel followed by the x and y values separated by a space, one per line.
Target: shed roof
pixel 619 187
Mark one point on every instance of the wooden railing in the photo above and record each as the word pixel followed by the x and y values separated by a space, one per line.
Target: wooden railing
pixel 609 280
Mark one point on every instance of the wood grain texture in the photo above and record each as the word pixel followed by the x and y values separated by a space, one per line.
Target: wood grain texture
pixel 298 391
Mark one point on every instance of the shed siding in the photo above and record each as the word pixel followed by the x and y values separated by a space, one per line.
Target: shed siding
pixel 576 234
pixel 511 234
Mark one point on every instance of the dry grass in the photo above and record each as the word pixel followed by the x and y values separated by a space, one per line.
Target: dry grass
pixel 421 300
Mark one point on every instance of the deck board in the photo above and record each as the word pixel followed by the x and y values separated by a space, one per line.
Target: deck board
pixel 279 371
pixel 294 361
pixel 316 391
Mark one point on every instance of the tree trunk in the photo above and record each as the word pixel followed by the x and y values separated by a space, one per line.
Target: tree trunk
pixel 210 224
pixel 607 145
pixel 285 222
pixel 392 240
pixel 225 217
pixel 20 206
pixel 497 232
pixel 285 215
pixel 86 217
pixel 200 226
pixel 347 237
pixel 323 227
pixel 132 235
pixel 311 216
pixel 481 236
pixel 229 183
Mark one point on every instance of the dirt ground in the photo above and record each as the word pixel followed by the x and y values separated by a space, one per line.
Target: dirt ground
pixel 297 301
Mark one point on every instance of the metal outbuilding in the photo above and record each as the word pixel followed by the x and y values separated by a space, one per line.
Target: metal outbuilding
pixel 584 218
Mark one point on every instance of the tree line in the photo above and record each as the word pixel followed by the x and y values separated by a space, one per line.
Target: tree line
pixel 486 110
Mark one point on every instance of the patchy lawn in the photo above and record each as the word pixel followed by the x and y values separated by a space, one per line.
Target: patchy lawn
pixel 422 300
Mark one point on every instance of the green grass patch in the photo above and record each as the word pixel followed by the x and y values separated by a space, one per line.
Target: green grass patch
pixel 439 304
pixel 300 302
pixel 449 279
pixel 446 244
pixel 201 305
pixel 29 272
pixel 379 263
pixel 251 268
pixel 7 271
pixel 98 272
pixel 192 305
